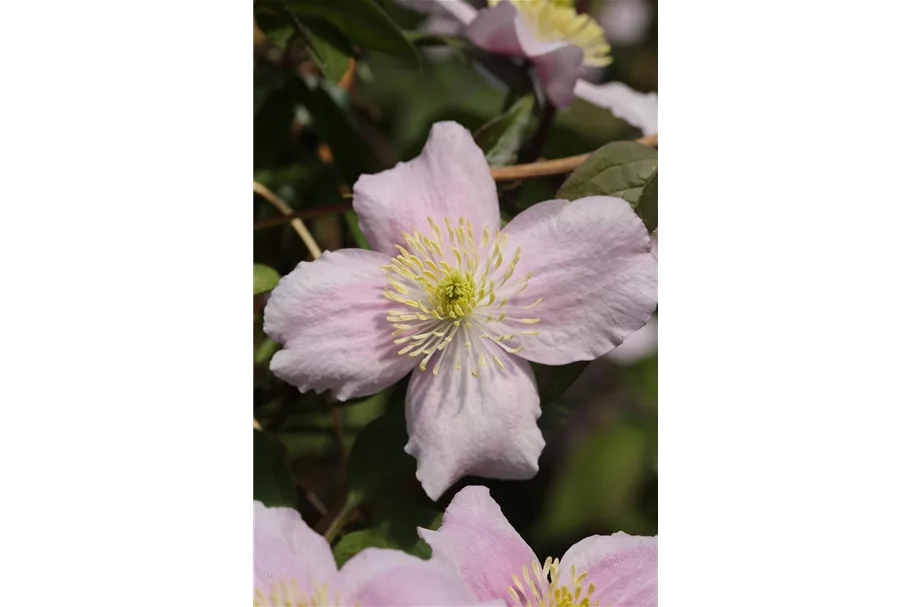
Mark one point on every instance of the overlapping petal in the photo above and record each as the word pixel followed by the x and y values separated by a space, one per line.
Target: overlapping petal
pixel 496 30
pixel 392 578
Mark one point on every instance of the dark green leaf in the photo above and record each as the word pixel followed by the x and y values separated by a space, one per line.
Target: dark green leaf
pixel 502 136
pixel 364 22
pixel 378 456
pixel 264 278
pixel 333 124
pixel 329 48
pixel 272 482
pixel 274 26
pixel 272 126
pixel 554 381
pixel 621 169
pixel 396 529
pixel 648 204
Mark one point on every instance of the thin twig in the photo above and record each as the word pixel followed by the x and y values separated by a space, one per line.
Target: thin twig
pixel 510 173
pixel 304 214
pixel 296 223
pixel 552 167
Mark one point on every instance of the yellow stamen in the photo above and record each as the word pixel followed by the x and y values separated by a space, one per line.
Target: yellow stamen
pixel 445 283
pixel 558 21
pixel 549 590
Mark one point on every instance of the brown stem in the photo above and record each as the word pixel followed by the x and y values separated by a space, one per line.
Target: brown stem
pixel 510 173
pixel 552 167
pixel 296 223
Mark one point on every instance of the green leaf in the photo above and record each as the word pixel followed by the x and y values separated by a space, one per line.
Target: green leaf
pixel 501 137
pixel 364 22
pixel 275 27
pixel 378 457
pixel 648 204
pixel 620 169
pixel 334 125
pixel 272 126
pixel 554 381
pixel 396 529
pixel 329 49
pixel 263 353
pixel 272 482
pixel 264 278
pixel 359 238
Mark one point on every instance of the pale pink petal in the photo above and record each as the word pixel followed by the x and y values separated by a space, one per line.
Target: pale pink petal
pixel 330 315
pixel 639 345
pixel 559 70
pixel 450 178
pixel 593 272
pixel 478 541
pixel 623 568
pixel 638 109
pixel 462 11
pixel 392 578
pixel 559 64
pixel 286 551
pixel 496 30
pixel 461 425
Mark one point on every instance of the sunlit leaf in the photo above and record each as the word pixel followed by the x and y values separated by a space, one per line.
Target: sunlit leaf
pixel 264 278
pixel 329 48
pixel 620 169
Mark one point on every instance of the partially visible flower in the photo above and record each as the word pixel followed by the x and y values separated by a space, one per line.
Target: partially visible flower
pixel 641 344
pixel 466 304
pixel 616 570
pixel 625 22
pixel 644 342
pixel 294 566
pixel 639 109
pixel 559 42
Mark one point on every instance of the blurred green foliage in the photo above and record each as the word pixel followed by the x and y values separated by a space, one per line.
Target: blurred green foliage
pixel 344 87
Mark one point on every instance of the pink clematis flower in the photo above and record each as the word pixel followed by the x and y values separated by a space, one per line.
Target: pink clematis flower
pixel 293 565
pixel 447 293
pixel 559 42
pixel 616 570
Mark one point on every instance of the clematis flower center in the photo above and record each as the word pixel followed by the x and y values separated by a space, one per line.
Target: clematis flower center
pixel 558 21
pixel 288 594
pixel 452 290
pixel 549 588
